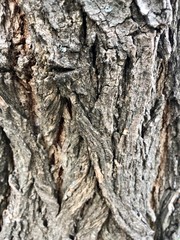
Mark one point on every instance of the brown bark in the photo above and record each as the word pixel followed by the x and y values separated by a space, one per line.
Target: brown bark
pixel 89 120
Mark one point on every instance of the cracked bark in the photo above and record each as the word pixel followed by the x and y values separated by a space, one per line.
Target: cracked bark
pixel 89 120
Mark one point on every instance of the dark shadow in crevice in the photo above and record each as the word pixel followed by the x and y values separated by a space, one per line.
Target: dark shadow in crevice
pixel 6 168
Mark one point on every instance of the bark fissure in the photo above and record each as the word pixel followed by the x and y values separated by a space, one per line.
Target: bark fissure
pixel 6 168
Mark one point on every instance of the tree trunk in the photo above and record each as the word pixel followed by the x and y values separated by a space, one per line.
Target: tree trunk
pixel 89 120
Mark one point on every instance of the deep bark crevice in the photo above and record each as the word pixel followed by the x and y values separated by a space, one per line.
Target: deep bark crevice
pixel 6 168
pixel 84 30
pixel 126 76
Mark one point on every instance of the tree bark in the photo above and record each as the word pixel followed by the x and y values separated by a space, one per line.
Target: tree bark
pixel 89 119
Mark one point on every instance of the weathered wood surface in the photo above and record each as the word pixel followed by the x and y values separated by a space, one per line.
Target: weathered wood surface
pixel 89 119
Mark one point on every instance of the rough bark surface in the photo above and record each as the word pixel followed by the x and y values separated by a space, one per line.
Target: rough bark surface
pixel 89 119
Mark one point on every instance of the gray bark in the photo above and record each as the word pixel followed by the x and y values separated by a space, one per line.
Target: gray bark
pixel 89 119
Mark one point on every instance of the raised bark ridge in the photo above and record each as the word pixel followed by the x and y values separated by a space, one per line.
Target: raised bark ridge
pixel 89 116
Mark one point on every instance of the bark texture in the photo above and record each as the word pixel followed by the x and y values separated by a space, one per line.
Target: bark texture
pixel 89 119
